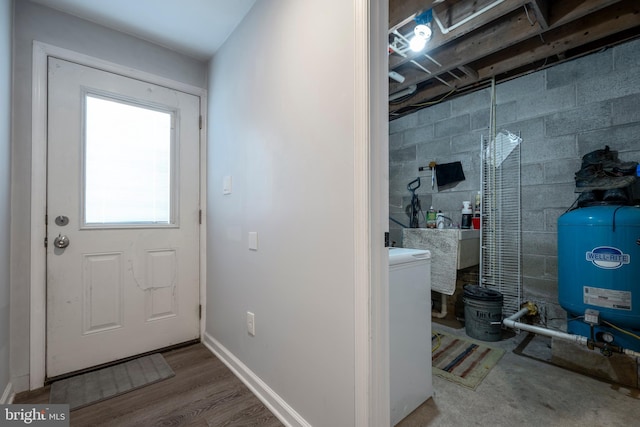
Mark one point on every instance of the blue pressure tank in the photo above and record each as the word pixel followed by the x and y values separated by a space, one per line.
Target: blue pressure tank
pixel 599 269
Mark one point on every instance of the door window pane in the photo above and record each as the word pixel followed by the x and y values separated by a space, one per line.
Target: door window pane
pixel 128 162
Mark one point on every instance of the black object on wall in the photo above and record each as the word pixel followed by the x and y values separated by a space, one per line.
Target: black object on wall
pixel 449 173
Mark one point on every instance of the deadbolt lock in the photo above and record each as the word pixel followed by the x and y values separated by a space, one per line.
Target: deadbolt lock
pixel 62 220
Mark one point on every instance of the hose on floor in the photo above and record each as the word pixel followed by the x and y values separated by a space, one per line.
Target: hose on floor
pixel 437 335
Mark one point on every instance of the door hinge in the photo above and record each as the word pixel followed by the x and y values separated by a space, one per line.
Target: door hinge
pixel 200 122
pixel 46 219
pixel 200 217
pixel 46 242
pixel 200 311
pixel 386 239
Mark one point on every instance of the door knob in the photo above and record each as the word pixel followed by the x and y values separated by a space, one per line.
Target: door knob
pixel 61 241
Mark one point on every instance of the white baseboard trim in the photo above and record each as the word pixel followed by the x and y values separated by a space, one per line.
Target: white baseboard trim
pixel 285 413
pixel 7 395
pixel 21 383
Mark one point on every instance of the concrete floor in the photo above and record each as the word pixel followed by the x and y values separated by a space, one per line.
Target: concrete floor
pixel 526 390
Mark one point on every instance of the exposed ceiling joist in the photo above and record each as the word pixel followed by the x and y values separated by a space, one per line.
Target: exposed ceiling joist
pixel 400 10
pixel 541 9
pixel 438 39
pixel 486 41
pixel 500 38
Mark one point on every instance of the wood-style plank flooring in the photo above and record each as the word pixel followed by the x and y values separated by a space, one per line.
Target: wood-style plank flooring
pixel 204 392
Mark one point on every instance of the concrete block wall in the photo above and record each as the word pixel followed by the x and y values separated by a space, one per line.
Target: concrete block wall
pixel 561 113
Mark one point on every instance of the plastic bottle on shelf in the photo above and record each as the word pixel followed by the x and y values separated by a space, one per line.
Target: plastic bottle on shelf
pixel 431 218
pixel 467 214
pixel 476 212
pixel 440 220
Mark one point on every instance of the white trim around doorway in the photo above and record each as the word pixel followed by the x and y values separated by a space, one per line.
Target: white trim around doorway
pixel 371 178
pixel 41 51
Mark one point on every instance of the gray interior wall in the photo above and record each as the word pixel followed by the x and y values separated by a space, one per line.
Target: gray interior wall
pixel 562 113
pixel 282 126
pixel 34 22
pixel 5 167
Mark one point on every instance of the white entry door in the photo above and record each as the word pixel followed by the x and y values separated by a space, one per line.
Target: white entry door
pixel 123 217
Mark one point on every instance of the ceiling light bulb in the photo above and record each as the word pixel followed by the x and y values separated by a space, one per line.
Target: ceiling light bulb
pixel 423 31
pixel 417 43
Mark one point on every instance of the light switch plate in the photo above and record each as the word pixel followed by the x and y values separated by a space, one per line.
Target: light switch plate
pixel 226 184
pixel 253 240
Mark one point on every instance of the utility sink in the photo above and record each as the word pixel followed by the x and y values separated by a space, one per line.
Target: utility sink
pixel 468 248
pixel 451 249
pixel 466 234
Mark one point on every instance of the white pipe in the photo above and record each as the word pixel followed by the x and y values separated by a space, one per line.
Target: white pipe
pixel 443 308
pixel 429 72
pixel 512 322
pixel 444 30
pixel 396 76
pixel 404 92
pixel 402 23
pixel 631 353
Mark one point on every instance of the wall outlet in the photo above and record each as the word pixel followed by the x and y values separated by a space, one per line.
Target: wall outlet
pixel 253 240
pixel 251 323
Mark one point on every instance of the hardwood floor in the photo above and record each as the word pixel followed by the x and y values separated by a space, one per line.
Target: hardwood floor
pixel 204 392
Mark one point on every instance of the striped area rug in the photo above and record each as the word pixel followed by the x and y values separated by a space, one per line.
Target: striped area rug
pixel 463 361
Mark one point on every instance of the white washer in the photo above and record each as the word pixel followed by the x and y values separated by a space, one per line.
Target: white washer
pixel 409 330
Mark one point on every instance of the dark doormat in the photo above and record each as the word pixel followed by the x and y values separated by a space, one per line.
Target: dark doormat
pixel 92 387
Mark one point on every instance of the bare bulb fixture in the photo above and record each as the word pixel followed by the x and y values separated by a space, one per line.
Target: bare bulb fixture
pixel 417 43
pixel 422 32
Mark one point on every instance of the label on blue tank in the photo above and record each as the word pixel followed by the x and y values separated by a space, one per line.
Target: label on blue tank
pixel 607 257
pixel 608 298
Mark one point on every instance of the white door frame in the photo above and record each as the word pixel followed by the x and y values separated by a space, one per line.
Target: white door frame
pixel 38 301
pixel 371 212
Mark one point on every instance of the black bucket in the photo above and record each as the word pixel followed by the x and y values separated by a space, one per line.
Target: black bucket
pixel 482 313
